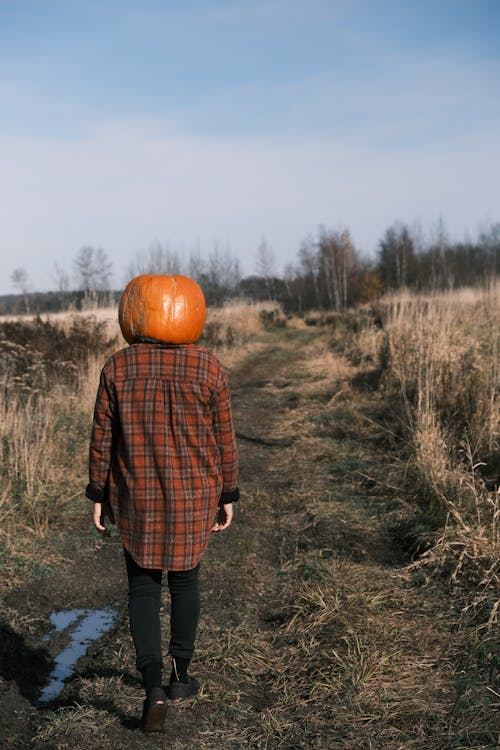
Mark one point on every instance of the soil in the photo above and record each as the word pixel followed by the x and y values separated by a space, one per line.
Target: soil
pixel 314 631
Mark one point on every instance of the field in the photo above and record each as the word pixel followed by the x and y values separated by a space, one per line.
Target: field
pixel 353 604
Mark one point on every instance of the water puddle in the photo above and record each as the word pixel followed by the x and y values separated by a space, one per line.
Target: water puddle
pixel 84 626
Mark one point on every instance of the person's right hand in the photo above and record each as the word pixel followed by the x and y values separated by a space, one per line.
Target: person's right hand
pixel 102 512
pixel 224 517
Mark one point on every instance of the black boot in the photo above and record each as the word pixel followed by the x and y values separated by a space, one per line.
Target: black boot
pixel 154 711
pixel 181 685
pixel 155 705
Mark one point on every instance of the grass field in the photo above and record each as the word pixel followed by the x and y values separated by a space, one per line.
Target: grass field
pixel 352 604
pixel 439 358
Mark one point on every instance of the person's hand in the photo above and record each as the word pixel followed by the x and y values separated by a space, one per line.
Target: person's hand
pixel 99 518
pixel 224 517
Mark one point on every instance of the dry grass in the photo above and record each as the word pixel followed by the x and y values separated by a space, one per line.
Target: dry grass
pixel 44 443
pixel 64 318
pixel 45 409
pixel 309 637
pixel 443 356
pixel 439 357
pixel 233 331
pixel 76 725
pixel 243 317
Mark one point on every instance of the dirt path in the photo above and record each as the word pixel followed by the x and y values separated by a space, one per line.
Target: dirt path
pixel 313 633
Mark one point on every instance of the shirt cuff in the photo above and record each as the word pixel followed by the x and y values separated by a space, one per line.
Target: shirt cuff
pixel 97 496
pixel 229 497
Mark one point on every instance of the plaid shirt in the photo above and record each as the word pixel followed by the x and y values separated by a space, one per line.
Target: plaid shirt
pixel 163 450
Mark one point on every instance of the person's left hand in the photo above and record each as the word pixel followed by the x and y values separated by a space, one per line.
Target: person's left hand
pixel 224 517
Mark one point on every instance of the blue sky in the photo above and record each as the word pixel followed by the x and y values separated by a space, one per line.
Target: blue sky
pixel 193 123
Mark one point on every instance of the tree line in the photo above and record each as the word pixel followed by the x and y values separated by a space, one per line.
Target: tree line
pixel 329 273
pixel 332 274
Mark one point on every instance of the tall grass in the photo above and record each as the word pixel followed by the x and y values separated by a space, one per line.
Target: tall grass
pixel 40 438
pixel 439 356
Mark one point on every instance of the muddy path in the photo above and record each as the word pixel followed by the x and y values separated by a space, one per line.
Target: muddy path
pixel 314 632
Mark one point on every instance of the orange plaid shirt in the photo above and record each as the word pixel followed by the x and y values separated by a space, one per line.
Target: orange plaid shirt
pixel 163 450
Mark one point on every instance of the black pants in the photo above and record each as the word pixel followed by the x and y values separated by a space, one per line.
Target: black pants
pixel 144 608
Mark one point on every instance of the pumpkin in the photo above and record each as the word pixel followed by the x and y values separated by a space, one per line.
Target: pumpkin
pixel 170 309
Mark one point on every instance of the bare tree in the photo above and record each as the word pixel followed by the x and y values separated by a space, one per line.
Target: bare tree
pixel 441 259
pixel 309 260
pixel 20 279
pixel 338 262
pixel 265 266
pixel 289 275
pixel 197 265
pixel 223 275
pixel 396 257
pixel 93 269
pixel 489 246
pixel 61 278
pixel 161 259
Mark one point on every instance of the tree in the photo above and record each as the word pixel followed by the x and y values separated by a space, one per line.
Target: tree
pixel 197 267
pixel 489 244
pixel 158 259
pixel 309 260
pixel 396 257
pixel 20 279
pixel 441 258
pixel 61 278
pixel 222 277
pixel 265 266
pixel 338 261
pixel 93 269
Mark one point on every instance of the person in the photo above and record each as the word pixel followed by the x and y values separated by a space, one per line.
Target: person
pixel 163 466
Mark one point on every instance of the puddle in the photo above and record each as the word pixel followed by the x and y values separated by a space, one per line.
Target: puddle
pixel 87 625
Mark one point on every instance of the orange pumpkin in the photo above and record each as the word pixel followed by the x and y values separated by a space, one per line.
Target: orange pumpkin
pixel 170 309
